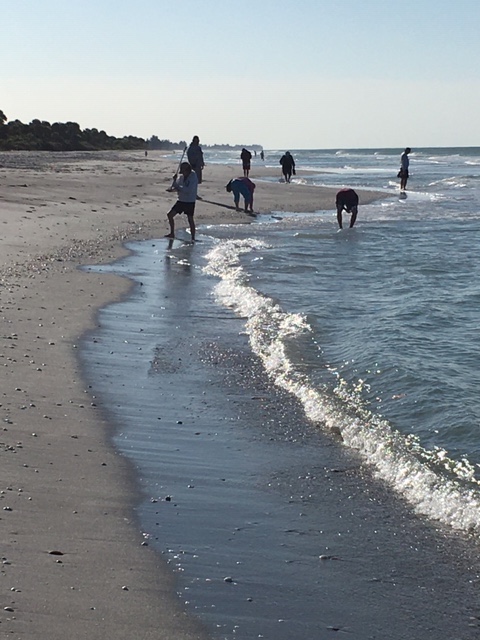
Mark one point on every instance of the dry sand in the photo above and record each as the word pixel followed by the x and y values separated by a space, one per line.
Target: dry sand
pixel 73 562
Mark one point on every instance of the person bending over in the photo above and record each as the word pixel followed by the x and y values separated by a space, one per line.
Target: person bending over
pixel 244 187
pixel 347 199
pixel 186 185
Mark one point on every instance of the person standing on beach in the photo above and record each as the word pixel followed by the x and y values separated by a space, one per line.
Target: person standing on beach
pixel 186 185
pixel 244 187
pixel 288 166
pixel 347 199
pixel 403 173
pixel 195 157
pixel 246 158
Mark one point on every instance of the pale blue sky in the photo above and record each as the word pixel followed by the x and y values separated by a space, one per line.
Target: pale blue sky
pixel 282 73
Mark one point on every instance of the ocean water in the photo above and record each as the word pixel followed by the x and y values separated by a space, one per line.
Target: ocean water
pixel 376 328
pixel 370 333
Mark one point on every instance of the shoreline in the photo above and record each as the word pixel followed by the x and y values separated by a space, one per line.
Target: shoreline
pixel 63 483
pixel 257 492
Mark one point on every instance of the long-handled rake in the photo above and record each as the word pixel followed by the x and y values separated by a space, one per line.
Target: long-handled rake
pixel 171 188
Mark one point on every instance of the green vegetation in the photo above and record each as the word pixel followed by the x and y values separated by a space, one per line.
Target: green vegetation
pixel 40 135
pixel 155 143
pixel 68 136
pixel 59 136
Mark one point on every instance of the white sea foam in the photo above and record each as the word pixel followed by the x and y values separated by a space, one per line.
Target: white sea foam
pixel 435 485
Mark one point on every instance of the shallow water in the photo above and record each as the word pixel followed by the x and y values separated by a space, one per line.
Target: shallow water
pixel 385 347
pixel 273 528
pixel 306 398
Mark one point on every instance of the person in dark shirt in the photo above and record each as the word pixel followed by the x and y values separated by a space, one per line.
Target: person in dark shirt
pixel 347 199
pixel 246 158
pixel 288 166
pixel 403 173
pixel 195 157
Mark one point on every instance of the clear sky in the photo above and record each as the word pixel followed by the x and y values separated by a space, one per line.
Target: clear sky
pixel 280 73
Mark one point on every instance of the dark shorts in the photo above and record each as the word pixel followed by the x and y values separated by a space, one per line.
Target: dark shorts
pixel 246 165
pixel 183 207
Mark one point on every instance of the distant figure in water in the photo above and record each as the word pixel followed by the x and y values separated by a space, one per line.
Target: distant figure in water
pixel 244 187
pixel 195 157
pixel 262 155
pixel 403 173
pixel 288 166
pixel 246 158
pixel 347 199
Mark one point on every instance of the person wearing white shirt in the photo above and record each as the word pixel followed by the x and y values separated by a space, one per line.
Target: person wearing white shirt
pixel 187 186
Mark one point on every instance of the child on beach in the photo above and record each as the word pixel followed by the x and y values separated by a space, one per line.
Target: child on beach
pixel 187 186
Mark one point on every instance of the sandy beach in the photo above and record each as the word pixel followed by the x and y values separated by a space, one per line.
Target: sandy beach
pixel 74 561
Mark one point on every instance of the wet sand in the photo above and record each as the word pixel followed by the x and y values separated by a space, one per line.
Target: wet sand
pixel 74 562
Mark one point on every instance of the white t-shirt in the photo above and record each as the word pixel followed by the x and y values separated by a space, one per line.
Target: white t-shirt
pixel 187 187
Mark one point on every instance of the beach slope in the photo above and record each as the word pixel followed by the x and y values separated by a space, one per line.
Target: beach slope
pixel 74 561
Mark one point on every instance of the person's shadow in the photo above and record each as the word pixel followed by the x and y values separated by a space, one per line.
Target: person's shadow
pixel 218 204
pixel 228 206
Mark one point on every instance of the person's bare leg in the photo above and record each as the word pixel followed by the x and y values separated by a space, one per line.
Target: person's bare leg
pixel 353 216
pixel 191 222
pixel 171 222
pixel 339 217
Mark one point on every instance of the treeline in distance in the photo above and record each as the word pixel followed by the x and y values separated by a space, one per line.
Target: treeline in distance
pixel 40 135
